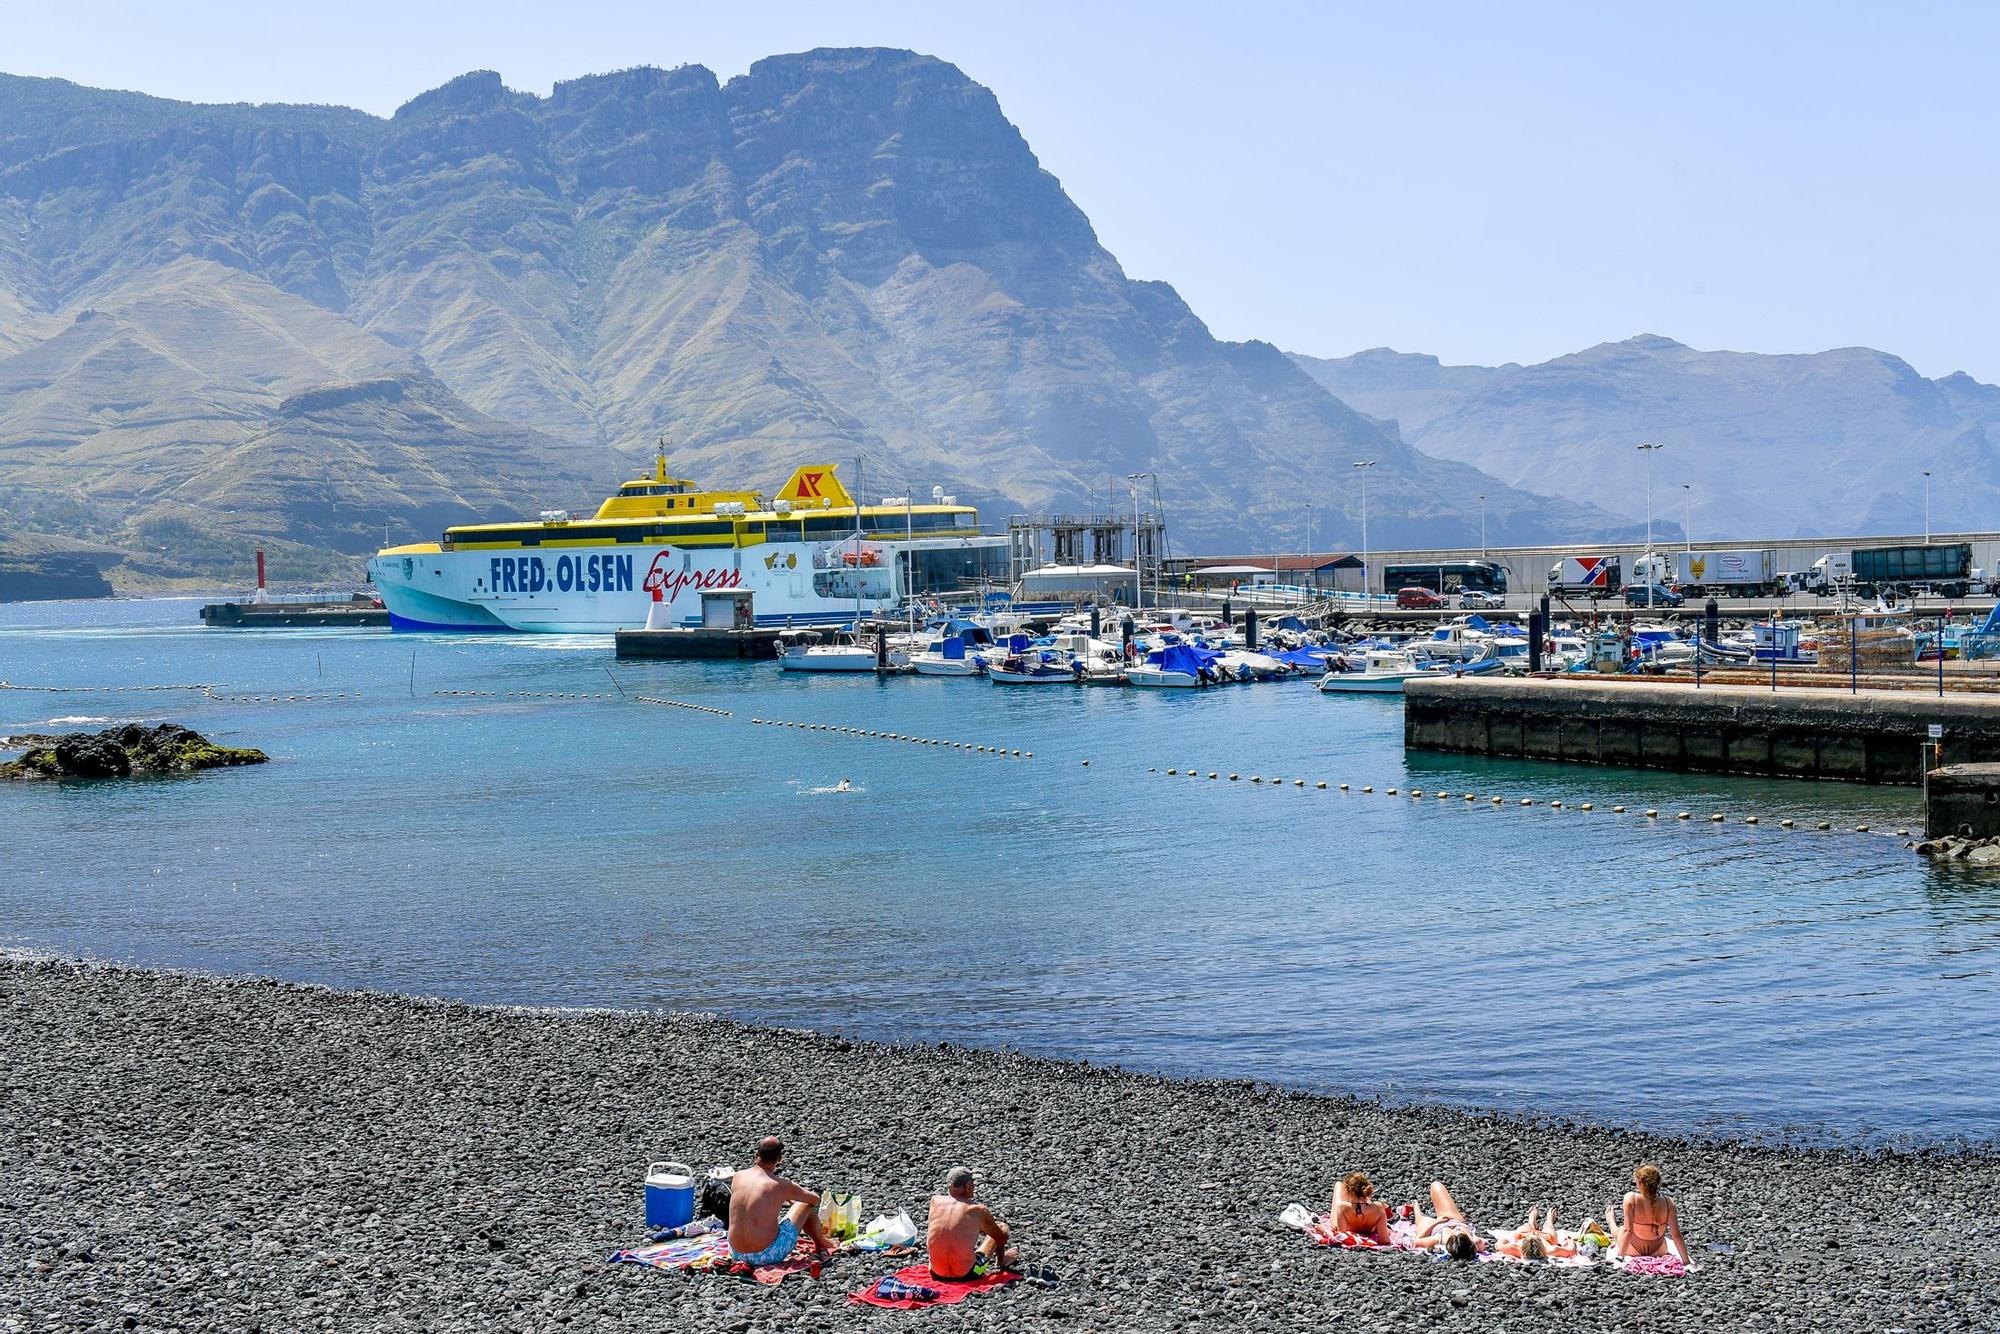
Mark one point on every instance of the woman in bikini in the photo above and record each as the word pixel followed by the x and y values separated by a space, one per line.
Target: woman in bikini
pixel 1447 1231
pixel 1536 1239
pixel 1355 1209
pixel 1650 1219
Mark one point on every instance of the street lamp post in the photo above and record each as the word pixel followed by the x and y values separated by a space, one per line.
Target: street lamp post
pixel 1364 465
pixel 1927 507
pixel 1482 527
pixel 1687 515
pixel 1648 450
pixel 1309 542
pixel 1138 565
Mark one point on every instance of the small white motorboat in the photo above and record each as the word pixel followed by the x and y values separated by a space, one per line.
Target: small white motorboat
pixel 946 657
pixel 1032 668
pixel 1176 667
pixel 1380 673
pixel 844 654
pixel 1245 665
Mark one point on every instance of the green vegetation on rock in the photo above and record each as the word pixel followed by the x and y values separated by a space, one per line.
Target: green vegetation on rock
pixel 121 752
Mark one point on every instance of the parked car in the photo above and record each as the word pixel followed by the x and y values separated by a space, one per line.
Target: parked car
pixel 1636 595
pixel 1473 599
pixel 1421 599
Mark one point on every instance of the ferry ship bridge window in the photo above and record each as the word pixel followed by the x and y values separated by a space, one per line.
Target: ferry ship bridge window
pixel 941 569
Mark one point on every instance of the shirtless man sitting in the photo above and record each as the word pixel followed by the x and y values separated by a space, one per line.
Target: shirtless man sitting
pixel 766 1211
pixel 966 1241
pixel 1355 1209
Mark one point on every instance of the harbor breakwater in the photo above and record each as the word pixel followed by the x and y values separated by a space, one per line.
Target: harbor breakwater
pixel 1864 737
pixel 200 1153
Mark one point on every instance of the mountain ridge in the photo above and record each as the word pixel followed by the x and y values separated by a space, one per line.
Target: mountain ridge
pixel 1771 444
pixel 837 253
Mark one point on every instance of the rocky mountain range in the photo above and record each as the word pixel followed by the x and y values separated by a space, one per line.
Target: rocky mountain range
pixel 1827 444
pixel 299 325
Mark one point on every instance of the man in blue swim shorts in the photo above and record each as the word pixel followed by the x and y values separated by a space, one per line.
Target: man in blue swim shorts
pixel 766 1211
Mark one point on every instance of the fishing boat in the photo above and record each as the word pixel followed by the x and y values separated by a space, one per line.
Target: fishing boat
pixel 1382 672
pixel 809 555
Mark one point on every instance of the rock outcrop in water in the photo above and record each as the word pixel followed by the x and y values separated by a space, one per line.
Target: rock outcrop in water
pixel 840 252
pixel 121 752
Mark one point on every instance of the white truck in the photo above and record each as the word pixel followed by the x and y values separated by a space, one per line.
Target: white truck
pixel 1592 576
pixel 1603 576
pixel 1741 572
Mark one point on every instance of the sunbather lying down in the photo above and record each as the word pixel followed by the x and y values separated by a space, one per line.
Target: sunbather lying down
pixel 1538 1239
pixel 1447 1230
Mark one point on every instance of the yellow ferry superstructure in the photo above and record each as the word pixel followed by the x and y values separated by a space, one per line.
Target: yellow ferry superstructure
pixel 811 554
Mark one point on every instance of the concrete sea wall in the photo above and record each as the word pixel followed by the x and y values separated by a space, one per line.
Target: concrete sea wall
pixel 1870 737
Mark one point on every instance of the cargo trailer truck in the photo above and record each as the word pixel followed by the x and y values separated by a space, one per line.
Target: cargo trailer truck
pixel 1943 568
pixel 1738 572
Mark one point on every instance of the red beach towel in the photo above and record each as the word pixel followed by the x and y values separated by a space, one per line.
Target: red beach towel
pixel 948 1294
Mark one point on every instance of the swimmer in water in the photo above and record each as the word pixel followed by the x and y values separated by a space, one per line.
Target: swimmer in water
pixel 844 786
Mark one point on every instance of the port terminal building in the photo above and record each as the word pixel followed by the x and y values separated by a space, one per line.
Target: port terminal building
pixel 1527 568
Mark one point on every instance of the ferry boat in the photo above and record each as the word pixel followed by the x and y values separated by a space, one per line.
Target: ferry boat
pixel 813 554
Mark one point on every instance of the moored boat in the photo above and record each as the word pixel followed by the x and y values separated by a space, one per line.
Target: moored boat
pixel 1382 672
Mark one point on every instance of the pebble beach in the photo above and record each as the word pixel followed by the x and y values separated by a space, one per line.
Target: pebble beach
pixel 187 1152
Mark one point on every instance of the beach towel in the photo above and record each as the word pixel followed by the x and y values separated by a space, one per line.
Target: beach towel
pixel 1324 1233
pixel 905 1283
pixel 1403 1233
pixel 1659 1266
pixel 694 1255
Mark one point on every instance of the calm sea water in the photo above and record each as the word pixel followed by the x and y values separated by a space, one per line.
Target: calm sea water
pixel 581 852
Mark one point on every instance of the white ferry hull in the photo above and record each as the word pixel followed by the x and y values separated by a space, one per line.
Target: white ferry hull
pixel 599 589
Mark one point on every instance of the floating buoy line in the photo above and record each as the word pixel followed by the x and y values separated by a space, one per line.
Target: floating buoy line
pixel 875 734
pixel 1477 801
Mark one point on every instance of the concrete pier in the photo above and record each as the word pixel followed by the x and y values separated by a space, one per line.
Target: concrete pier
pixel 1869 737
pixel 697 642
pixel 359 610
pixel 1963 800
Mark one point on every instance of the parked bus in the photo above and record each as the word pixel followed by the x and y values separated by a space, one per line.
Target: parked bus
pixel 1449 576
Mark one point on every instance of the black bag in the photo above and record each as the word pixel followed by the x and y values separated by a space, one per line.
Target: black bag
pixel 714 1199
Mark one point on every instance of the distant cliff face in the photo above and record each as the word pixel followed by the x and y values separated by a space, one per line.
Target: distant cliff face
pixel 1829 444
pixel 838 253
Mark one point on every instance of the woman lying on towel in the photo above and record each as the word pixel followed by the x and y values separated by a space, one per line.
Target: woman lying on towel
pixel 1448 1231
pixel 1537 1239
pixel 1650 1218
pixel 1355 1210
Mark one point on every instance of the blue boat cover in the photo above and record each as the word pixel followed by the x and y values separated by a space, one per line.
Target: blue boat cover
pixel 954 649
pixel 1183 658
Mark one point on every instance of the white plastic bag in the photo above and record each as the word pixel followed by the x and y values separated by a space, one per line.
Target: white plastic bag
pixel 1296 1216
pixel 886 1230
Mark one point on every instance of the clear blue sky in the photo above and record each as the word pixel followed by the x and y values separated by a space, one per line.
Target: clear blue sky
pixel 1488 182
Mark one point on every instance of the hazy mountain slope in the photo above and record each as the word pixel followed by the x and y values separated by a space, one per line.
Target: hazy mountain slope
pixel 1829 443
pixel 838 253
pixel 334 464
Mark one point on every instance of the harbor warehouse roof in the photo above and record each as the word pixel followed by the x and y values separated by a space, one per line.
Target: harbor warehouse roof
pixel 1275 564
